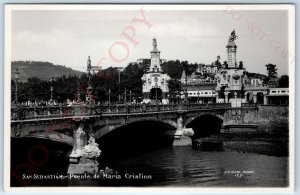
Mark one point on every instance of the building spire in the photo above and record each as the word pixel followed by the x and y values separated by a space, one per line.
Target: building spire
pixel 231 50
pixel 155 58
pixel 183 77
pixel 89 64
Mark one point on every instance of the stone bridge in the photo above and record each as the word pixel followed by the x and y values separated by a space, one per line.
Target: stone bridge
pixel 115 126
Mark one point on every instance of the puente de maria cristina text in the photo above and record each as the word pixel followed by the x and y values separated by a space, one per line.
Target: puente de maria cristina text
pixel 213 104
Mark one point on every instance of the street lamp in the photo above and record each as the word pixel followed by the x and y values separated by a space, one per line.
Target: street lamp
pixel 109 99
pixel 198 96
pixel 120 69
pixel 51 89
pixel 90 87
pixel 125 98
pixel 186 97
pixel 130 94
pixel 78 91
pixel 119 86
pixel 16 74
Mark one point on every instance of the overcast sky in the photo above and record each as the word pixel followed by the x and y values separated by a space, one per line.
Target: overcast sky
pixel 68 37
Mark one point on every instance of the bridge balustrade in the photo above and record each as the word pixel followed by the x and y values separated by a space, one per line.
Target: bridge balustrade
pixel 249 105
pixel 23 113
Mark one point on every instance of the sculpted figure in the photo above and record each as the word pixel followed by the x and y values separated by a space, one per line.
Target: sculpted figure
pixel 91 150
pixel 232 36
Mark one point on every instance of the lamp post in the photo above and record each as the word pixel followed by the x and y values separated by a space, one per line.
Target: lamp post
pixel 51 89
pixel 130 94
pixel 198 96
pixel 109 99
pixel 186 97
pixel 16 74
pixel 119 86
pixel 125 99
pixel 78 91
pixel 90 87
pixel 119 80
pixel 235 95
pixel 186 91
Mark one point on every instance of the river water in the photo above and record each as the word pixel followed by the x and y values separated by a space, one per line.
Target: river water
pixel 185 166
pixel 176 166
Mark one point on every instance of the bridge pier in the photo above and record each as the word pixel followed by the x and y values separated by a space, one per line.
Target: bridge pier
pixel 179 130
pixel 78 144
pixel 182 134
pixel 84 153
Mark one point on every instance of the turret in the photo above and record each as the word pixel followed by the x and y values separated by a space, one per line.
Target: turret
pixel 183 77
pixel 231 50
pixel 155 58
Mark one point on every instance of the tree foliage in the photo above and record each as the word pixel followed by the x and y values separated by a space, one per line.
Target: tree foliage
pixel 271 74
pixel 283 81
pixel 106 82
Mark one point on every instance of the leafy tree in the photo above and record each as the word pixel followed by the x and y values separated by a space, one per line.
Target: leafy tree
pixel 271 73
pixel 283 81
pixel 66 87
pixel 174 85
pixel 271 70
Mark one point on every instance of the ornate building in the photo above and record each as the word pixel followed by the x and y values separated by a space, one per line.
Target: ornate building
pixel 155 81
pixel 230 78
pixel 227 83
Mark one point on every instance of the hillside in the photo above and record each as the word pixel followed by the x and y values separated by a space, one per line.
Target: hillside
pixel 41 70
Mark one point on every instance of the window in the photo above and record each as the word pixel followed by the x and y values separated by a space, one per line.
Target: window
pixel 273 91
pixel 283 91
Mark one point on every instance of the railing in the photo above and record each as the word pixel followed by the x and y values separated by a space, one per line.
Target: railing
pixel 249 105
pixel 27 113
pixel 257 85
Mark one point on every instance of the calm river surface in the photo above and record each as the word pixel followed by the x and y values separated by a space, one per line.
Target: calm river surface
pixel 185 166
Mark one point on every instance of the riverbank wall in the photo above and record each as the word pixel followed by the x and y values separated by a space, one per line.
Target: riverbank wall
pixel 273 119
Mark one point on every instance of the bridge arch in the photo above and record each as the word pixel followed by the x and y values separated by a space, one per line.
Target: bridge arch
pixel 134 138
pixel 42 154
pixel 190 119
pixel 55 137
pixel 205 125
pixel 100 132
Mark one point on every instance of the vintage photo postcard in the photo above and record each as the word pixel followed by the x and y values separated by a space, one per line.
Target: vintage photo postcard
pixel 197 98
